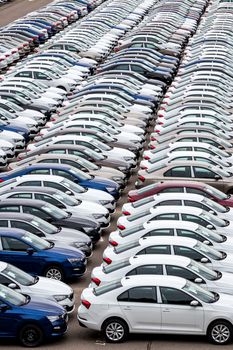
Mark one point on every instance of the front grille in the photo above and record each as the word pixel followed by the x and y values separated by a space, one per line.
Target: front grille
pixel 71 296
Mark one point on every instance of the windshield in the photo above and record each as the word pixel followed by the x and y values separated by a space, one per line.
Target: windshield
pixel 8 295
pixel 213 220
pixel 43 225
pixel 210 252
pixel 203 231
pixel 36 241
pixel 214 192
pixel 202 270
pixel 127 246
pixel 213 205
pixel 19 276
pixel 100 145
pixel 54 211
pixel 143 201
pixel 199 292
pixel 72 186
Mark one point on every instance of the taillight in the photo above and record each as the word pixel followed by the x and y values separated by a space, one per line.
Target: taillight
pixel 144 167
pixel 131 200
pixel 126 212
pixel 158 131
pixel 152 138
pixel 140 177
pixel 146 157
pixel 107 260
pixel 86 303
pixel 163 108
pixel 121 227
pixel 152 147
pixel 160 115
pixel 116 49
pixel 113 243
pixel 160 123
pixel 1 180
pixel 96 280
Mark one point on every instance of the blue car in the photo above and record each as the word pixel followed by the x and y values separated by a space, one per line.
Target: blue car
pixel 68 172
pixel 19 129
pixel 40 257
pixel 29 320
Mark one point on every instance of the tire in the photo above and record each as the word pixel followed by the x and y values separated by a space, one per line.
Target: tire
pixel 54 272
pixel 115 330
pixel 220 332
pixel 31 335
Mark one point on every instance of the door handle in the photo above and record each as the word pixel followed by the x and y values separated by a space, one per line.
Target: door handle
pixel 127 308
pixel 166 310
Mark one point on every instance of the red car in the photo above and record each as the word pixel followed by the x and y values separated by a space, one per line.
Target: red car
pixel 182 186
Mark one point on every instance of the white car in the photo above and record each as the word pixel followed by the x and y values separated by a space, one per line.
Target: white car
pixel 173 228
pixel 13 137
pixel 8 148
pixel 156 305
pixel 64 185
pixel 47 288
pixel 173 212
pixel 186 199
pixel 189 247
pixel 163 264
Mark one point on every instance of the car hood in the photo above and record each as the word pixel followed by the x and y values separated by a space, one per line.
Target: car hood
pixel 49 286
pixel 67 253
pixel 43 306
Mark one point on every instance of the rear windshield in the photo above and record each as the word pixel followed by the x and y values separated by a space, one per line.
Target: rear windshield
pixel 116 266
pixel 107 288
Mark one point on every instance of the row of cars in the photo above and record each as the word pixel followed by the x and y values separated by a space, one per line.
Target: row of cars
pixel 24 35
pixel 168 267
pixel 63 181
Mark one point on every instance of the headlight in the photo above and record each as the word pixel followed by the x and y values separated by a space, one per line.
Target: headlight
pixel 53 318
pixel 98 216
pixel 30 125
pixel 123 168
pixel 88 229
pixel 110 189
pixel 74 260
pixel 79 244
pixel 128 159
pixel 115 178
pixel 60 297
pixel 104 202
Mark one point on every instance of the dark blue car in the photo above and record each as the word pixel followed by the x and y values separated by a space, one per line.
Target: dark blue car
pixel 20 130
pixel 68 172
pixel 38 256
pixel 29 320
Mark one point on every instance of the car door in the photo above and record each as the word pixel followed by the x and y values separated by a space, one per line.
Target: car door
pixel 177 315
pixel 8 320
pixel 140 308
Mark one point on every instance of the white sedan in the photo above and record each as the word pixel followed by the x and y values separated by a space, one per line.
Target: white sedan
pixel 47 288
pixel 158 304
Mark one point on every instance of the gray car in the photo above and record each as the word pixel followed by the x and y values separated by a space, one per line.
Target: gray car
pixel 61 236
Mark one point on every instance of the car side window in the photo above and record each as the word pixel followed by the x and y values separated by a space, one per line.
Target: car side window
pixel 173 190
pixel 63 174
pixel 24 74
pixel 139 295
pixel 49 199
pixel 55 185
pixel 182 149
pixel 170 202
pixel 196 191
pixel 194 218
pixel 21 195
pixel 147 270
pixel 182 171
pixel 160 232
pixel 4 280
pixel 40 171
pixel 203 173
pixel 65 142
pixel 13 244
pixel 196 204
pixel 168 216
pixel 35 211
pixel 3 223
pixel 175 296
pixel 56 161
pixel 158 249
pixel 10 208
pixel 25 226
pixel 30 183
pixel 191 234
pixel 188 252
pixel 40 75
pixel 180 272
pixel 57 151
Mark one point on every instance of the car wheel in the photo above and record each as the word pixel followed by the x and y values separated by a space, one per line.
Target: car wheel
pixel 54 272
pixel 31 336
pixel 115 330
pixel 220 332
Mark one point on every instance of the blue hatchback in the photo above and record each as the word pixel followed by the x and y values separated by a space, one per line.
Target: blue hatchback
pixel 68 172
pixel 40 257
pixel 28 320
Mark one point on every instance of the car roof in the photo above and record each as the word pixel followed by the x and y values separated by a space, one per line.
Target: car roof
pixel 12 216
pixel 156 280
pixel 23 201
pixel 175 240
pixel 12 232
pixel 32 189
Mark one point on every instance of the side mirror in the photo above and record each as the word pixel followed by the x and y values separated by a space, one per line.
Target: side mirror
pixel 206 242
pixel 209 227
pixel 69 193
pixel 204 260
pixel 198 280
pixel 30 251
pixel 3 307
pixel 49 219
pixel 212 212
pixel 217 177
pixel 12 286
pixel 194 303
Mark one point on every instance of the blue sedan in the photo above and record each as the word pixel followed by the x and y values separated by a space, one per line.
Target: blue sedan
pixel 28 319
pixel 68 172
pixel 38 256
